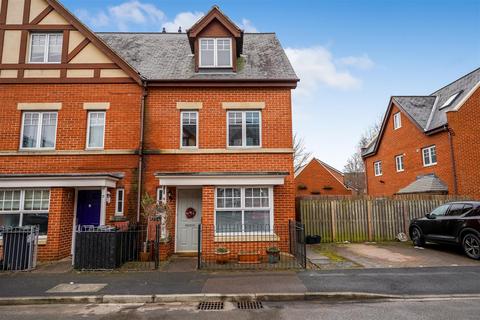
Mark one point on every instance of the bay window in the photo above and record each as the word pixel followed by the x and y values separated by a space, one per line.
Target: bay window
pixel 25 207
pixel 244 128
pixel 39 130
pixel 244 210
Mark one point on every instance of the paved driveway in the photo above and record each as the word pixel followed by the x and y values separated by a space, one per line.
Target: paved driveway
pixel 387 255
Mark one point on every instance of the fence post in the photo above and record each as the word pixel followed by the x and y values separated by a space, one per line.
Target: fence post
pixel 199 251
pixel 406 215
pixel 334 220
pixel 370 220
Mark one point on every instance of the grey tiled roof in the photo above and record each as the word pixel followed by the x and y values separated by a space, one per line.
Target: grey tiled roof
pixel 425 184
pixel 427 111
pixel 419 108
pixel 168 56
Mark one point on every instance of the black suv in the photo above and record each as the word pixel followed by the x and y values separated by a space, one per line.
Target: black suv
pixel 455 222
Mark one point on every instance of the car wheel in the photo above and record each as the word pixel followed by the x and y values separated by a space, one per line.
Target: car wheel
pixel 417 237
pixel 471 246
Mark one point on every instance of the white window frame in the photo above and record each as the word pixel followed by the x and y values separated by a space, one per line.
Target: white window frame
pixel 429 149
pixel 46 49
pixel 215 52
pixel 399 163
pixel 244 129
pixel 118 211
pixel 161 194
pixel 21 211
pixel 377 168
pixel 39 131
pixel 182 113
pixel 88 130
pixel 397 121
pixel 243 208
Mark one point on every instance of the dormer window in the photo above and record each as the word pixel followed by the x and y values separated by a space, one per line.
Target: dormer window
pixel 215 53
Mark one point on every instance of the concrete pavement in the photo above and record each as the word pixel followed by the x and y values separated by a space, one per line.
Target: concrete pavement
pixel 433 309
pixel 400 282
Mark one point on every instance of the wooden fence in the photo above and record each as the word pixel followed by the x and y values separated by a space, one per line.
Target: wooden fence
pixel 363 219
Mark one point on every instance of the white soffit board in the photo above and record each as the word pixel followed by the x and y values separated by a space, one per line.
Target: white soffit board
pixel 48 182
pixel 220 181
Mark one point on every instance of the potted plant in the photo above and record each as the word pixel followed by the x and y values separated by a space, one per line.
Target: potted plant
pixel 273 255
pixel 221 255
pixel 154 213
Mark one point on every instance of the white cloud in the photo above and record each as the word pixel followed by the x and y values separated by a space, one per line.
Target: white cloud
pixel 315 67
pixel 184 20
pixel 363 62
pixel 247 26
pixel 124 16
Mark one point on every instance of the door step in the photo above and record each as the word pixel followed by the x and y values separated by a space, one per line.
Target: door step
pixel 185 254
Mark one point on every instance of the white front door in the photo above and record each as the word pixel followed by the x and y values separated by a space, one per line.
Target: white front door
pixel 189 214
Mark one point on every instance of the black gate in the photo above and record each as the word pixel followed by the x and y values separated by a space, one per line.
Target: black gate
pixel 106 248
pixel 297 242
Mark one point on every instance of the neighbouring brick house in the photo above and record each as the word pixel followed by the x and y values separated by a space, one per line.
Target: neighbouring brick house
pixel 319 178
pixel 91 121
pixel 428 144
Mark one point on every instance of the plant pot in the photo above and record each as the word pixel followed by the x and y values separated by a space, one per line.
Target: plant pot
pixel 221 257
pixel 144 256
pixel 249 257
pixel 273 257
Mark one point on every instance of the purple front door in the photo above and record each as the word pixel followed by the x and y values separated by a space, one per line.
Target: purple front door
pixel 88 207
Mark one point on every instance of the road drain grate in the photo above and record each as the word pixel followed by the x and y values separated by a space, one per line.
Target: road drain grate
pixel 210 305
pixel 249 305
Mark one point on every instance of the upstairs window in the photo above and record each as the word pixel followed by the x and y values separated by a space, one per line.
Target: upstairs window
pixel 377 167
pixel 189 129
pixel 39 130
pixel 46 47
pixel 96 130
pixel 244 128
pixel 397 121
pixel 215 53
pixel 429 156
pixel 399 163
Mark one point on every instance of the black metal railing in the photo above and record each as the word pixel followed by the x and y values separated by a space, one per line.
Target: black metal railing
pixel 107 248
pixel 19 248
pixel 251 246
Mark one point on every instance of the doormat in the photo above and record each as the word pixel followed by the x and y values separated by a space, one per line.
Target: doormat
pixel 77 287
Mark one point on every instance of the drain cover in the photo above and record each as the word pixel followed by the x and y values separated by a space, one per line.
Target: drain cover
pixel 249 305
pixel 210 305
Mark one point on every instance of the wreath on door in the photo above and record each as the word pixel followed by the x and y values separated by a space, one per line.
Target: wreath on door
pixel 190 213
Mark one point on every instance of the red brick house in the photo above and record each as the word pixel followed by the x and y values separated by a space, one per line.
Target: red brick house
pixel 91 121
pixel 428 144
pixel 319 178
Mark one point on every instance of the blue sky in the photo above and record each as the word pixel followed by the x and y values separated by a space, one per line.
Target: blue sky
pixel 351 55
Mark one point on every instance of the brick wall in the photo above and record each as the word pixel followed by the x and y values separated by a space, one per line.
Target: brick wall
pixel 316 178
pixel 60 225
pixel 162 126
pixel 466 136
pixel 407 140
pixel 122 119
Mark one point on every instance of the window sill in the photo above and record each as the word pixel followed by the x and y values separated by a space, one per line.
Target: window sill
pixel 430 165
pixel 247 238
pixel 36 150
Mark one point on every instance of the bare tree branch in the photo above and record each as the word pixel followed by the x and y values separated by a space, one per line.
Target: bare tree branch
pixel 300 154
